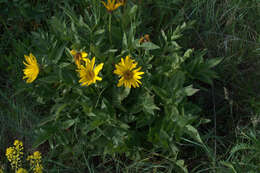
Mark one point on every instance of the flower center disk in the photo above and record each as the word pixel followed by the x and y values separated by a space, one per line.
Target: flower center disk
pixel 128 75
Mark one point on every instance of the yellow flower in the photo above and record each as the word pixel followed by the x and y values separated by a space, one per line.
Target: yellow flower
pixel 35 162
pixel 14 154
pixel 129 75
pixel 88 74
pixel 31 70
pixel 113 5
pixel 21 170
pixel 78 56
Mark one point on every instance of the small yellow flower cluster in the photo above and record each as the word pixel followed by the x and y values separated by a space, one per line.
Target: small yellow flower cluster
pixel 14 154
pixel 35 162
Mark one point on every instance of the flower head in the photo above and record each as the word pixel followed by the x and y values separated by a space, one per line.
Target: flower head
pixel 21 170
pixel 113 5
pixel 129 75
pixel 88 73
pixel 14 154
pixel 35 162
pixel 31 70
pixel 145 38
pixel 78 56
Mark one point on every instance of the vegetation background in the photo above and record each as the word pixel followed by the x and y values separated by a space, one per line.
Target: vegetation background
pixel 197 110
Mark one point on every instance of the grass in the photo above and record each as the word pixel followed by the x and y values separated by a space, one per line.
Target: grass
pixel 227 29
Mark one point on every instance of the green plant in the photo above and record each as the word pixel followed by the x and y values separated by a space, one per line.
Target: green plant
pixel 105 119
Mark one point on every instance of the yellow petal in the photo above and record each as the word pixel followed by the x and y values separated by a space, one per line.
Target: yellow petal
pixel 73 52
pixel 84 54
pixel 92 63
pixel 98 68
pixel 98 78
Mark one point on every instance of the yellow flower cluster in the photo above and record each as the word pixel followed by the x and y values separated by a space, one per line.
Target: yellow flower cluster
pixel 14 154
pixel 88 72
pixel 126 70
pixel 35 162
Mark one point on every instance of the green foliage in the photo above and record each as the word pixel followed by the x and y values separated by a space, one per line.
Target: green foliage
pixel 102 118
pixel 168 121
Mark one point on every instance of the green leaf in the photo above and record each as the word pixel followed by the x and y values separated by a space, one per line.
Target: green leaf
pixel 42 135
pixel 133 11
pixel 68 123
pixel 100 31
pixel 180 164
pixel 163 94
pixel 148 104
pixel 58 108
pixel 229 165
pixel 189 90
pixel 123 94
pixel 213 62
pixel 68 76
pixel 49 79
pixel 164 36
pixel 58 53
pixel 149 46
pixel 96 123
pixel 41 138
pixel 241 146
pixel 124 44
pixel 192 132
